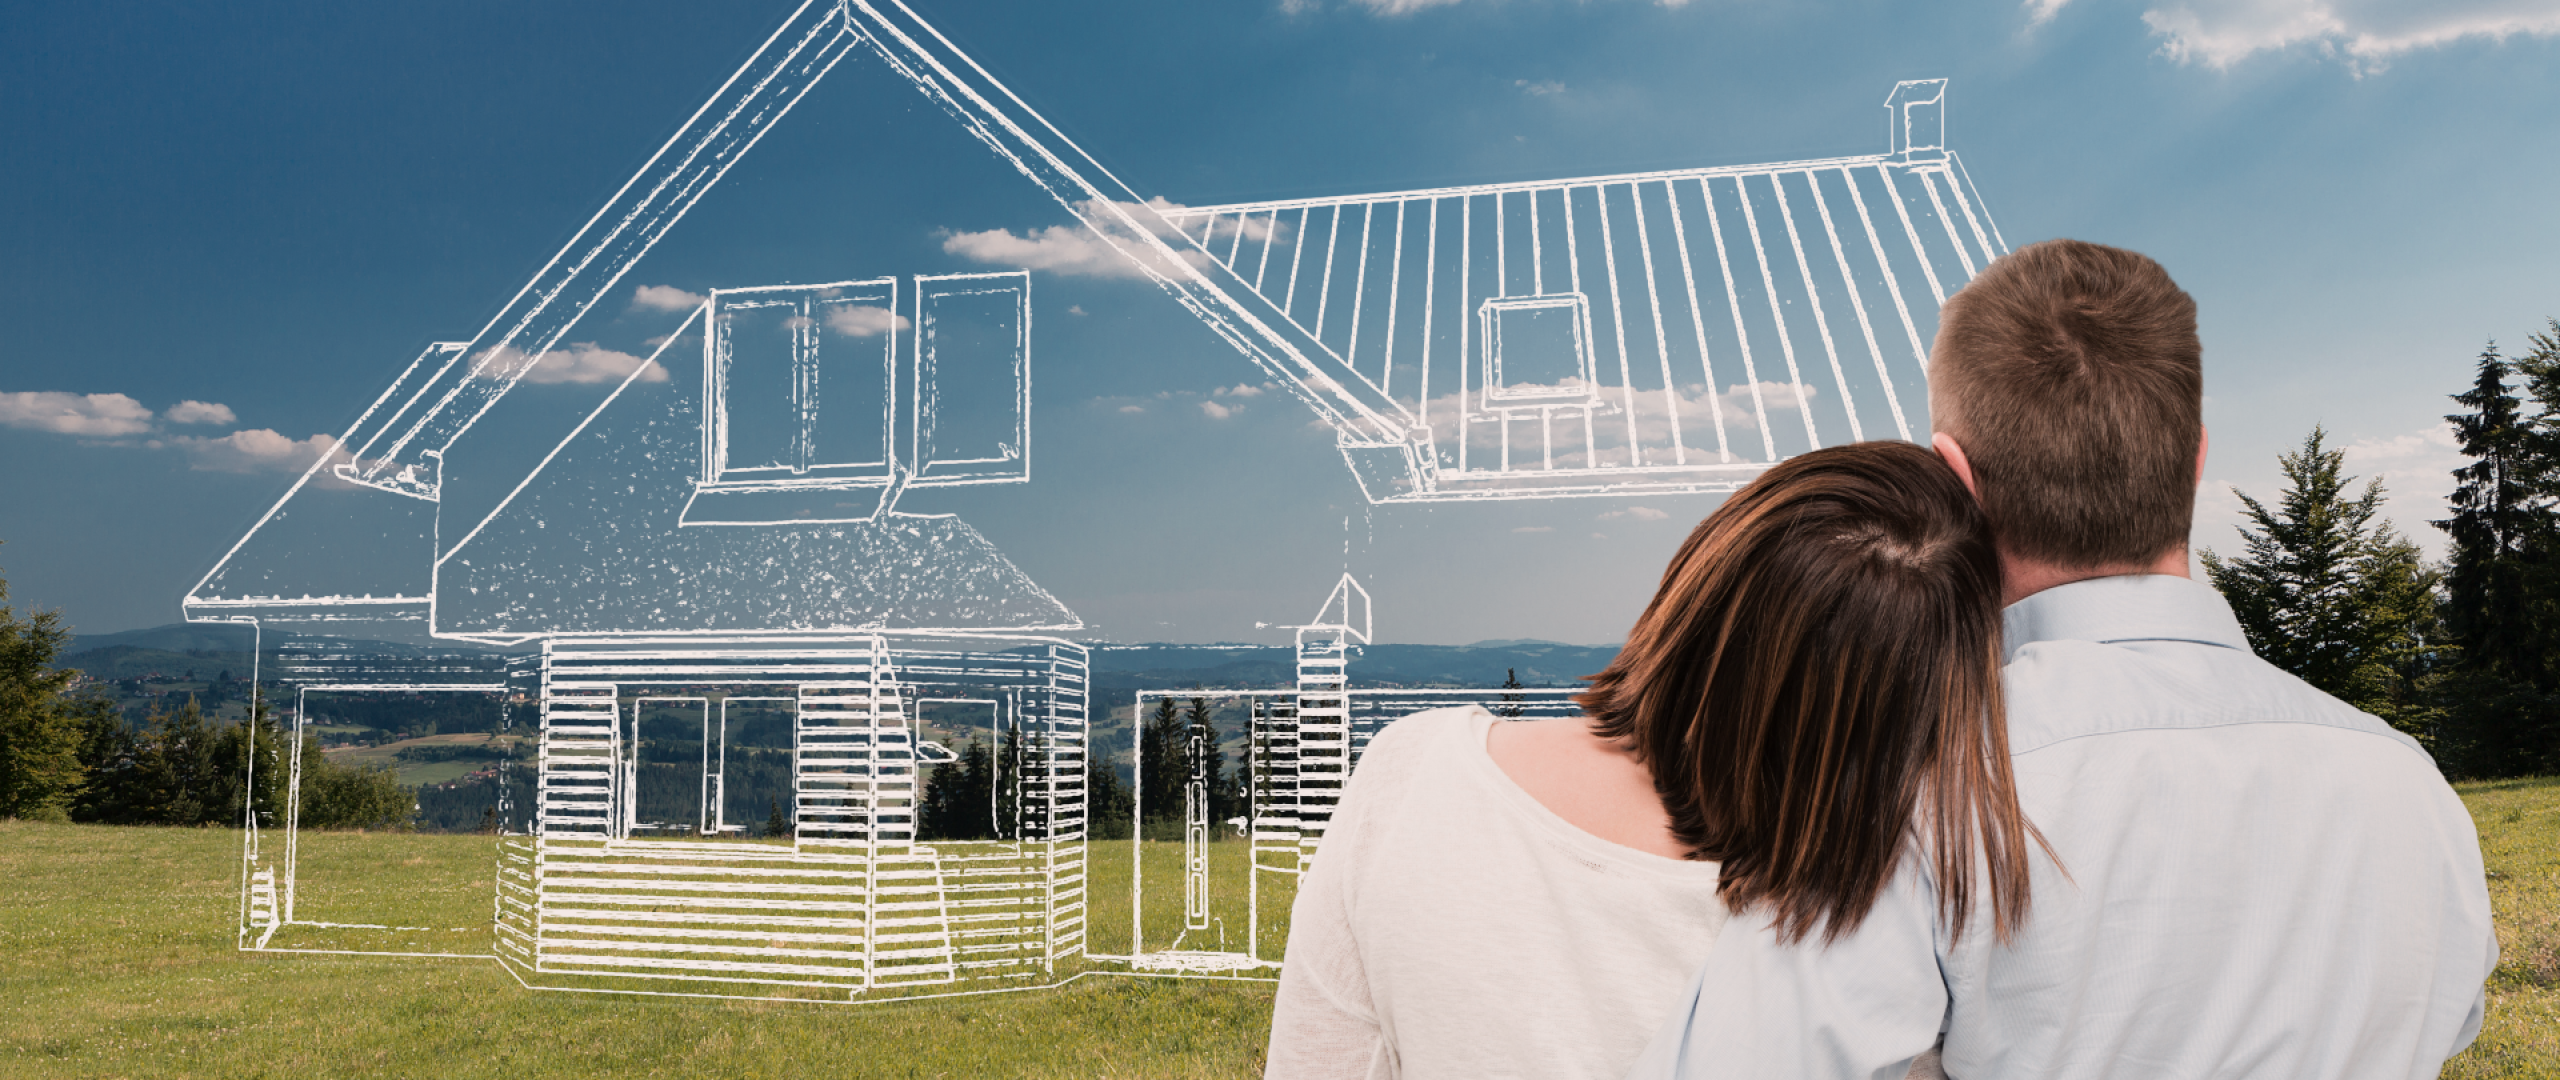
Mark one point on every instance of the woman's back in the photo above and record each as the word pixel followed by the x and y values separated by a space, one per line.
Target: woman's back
pixel 1453 926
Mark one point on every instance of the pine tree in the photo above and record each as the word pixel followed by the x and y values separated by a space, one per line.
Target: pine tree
pixel 2501 716
pixel 2496 528
pixel 1161 768
pixel 2327 592
pixel 778 826
pixel 40 770
pixel 1509 708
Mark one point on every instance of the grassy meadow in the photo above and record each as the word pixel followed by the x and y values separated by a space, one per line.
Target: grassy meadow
pixel 116 960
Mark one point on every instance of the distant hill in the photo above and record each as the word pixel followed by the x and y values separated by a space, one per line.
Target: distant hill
pixel 209 649
pixel 1173 667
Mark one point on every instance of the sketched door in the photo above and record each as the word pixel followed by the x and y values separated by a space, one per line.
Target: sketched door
pixel 1195 828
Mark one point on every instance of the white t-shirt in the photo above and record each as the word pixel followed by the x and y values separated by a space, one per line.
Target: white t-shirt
pixel 1454 927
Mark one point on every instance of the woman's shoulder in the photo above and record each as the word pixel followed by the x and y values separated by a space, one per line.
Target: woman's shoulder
pixel 1426 732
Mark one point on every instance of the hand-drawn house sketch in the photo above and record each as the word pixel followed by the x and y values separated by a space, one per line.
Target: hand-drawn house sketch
pixel 709 590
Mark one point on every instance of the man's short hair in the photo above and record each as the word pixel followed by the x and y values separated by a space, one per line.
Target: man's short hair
pixel 2071 374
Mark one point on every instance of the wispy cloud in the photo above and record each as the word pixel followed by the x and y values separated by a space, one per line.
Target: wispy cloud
pixel 1540 88
pixel 863 320
pixel 1215 411
pixel 1077 250
pixel 1636 513
pixel 199 412
pixel 74 414
pixel 256 450
pixel 1534 529
pixel 665 298
pixel 1239 390
pixel 2363 34
pixel 582 362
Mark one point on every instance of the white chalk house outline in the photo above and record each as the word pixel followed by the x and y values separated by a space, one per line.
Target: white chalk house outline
pixel 1690 293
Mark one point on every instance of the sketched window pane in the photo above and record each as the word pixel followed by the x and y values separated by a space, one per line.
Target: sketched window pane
pixel 758 342
pixel 803 383
pixel 752 775
pixel 668 767
pixel 973 378
pixel 856 339
pixel 1537 350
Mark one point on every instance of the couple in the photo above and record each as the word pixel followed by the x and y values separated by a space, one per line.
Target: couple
pixel 1983 782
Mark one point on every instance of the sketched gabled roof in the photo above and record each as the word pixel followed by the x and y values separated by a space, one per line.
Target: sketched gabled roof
pixel 401 449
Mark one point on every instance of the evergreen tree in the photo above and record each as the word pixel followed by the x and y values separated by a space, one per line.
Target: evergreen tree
pixel 39 737
pixel 2496 528
pixel 2499 708
pixel 778 826
pixel 1509 708
pixel 2328 593
pixel 1161 768
pixel 1106 799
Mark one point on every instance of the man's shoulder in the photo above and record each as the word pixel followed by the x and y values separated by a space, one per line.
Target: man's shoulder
pixel 2059 691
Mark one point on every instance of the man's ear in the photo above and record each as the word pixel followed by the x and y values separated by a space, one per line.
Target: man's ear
pixel 2204 441
pixel 1955 459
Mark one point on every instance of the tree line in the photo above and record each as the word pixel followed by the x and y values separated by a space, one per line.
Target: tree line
pixel 70 756
pixel 2463 654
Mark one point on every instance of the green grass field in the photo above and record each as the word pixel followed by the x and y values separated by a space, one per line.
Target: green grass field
pixel 116 960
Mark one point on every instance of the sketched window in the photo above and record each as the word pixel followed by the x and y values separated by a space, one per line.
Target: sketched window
pixel 973 379
pixel 1537 351
pixel 802 384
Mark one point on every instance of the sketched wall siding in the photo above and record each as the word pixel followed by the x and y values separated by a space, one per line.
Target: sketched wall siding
pixel 1735 316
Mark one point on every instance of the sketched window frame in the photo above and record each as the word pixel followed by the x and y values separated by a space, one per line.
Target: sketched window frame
pixel 816 358
pixel 937 465
pixel 1500 395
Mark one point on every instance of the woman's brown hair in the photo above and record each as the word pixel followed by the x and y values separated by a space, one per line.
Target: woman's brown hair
pixel 1817 682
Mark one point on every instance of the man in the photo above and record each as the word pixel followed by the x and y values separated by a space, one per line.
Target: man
pixel 2253 880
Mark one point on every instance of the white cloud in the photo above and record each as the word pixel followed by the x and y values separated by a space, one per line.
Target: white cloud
pixel 1219 412
pixel 1541 88
pixel 199 412
pixel 1076 310
pixel 2040 12
pixel 252 451
pixel 1297 7
pixel 1636 513
pixel 1535 529
pixel 665 298
pixel 2365 34
pixel 863 320
pixel 1075 249
pixel 1242 390
pixel 1133 408
pixel 74 414
pixel 584 362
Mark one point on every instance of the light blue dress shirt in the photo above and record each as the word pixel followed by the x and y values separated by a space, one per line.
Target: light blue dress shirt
pixel 2262 882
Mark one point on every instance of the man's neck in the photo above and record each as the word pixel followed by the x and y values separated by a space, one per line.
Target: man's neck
pixel 2021 578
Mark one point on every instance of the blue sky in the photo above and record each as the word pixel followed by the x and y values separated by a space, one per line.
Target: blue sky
pixel 234 223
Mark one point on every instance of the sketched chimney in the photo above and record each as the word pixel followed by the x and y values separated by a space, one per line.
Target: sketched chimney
pixel 1917 111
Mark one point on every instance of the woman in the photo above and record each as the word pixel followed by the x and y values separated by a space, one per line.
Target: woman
pixel 1814 687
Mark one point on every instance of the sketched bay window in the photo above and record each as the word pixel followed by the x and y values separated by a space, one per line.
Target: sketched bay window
pixel 1537 351
pixel 803 383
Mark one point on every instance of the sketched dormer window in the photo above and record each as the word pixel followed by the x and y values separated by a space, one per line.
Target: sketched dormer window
pixel 1537 351
pixel 824 388
pixel 973 379
pixel 803 383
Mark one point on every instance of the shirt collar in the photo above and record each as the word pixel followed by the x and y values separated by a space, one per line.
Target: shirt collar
pixel 2130 607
